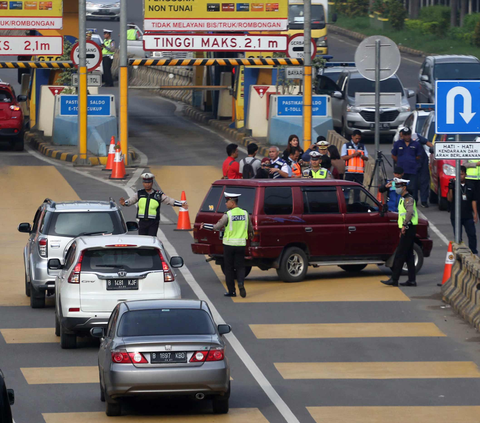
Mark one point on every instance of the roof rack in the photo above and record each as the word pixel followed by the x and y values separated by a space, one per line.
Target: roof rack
pixel 51 202
pixel 112 203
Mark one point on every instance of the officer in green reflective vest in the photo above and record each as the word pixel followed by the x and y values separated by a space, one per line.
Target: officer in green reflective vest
pixel 108 50
pixel 132 32
pixel 149 201
pixel 316 171
pixel 238 228
pixel 407 222
pixel 473 174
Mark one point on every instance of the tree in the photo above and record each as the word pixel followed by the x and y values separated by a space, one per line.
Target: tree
pixel 453 15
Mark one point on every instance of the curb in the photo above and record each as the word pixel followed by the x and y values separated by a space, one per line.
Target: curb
pixel 36 141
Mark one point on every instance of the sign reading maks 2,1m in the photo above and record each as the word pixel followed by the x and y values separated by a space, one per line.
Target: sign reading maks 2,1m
pixel 292 105
pixel 98 105
pixel 31 14
pixel 204 15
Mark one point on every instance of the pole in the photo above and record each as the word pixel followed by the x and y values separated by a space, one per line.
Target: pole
pixel 307 75
pixel 377 110
pixel 82 85
pixel 123 81
pixel 458 199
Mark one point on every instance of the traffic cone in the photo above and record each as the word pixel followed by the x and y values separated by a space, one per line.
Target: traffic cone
pixel 118 171
pixel 183 223
pixel 449 260
pixel 111 155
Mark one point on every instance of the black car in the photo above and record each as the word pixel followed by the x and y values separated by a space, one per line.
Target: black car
pixel 7 398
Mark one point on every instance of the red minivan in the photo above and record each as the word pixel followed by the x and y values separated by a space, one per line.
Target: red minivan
pixel 307 222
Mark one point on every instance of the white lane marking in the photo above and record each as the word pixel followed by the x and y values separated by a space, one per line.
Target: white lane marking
pixel 434 228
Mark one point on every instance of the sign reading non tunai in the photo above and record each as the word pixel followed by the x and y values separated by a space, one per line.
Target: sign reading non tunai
pixel 30 46
pixel 26 15
pixel 292 105
pixel 457 150
pixel 98 105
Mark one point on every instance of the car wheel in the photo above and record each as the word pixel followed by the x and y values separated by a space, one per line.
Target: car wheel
pixel 248 269
pixel 442 201
pixel 293 265
pixel 220 403
pixel 112 407
pixel 353 267
pixel 18 144
pixel 433 197
pixel 102 391
pixel 417 257
pixel 37 299
pixel 27 286
pixel 68 341
pixel 57 325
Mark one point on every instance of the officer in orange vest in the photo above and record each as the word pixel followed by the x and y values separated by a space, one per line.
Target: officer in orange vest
pixel 355 155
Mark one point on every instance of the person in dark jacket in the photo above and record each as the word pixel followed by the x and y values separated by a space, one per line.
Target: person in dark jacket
pixel 264 171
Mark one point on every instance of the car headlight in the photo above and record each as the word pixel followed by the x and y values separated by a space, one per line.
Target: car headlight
pixel 405 108
pixel 353 109
pixel 448 170
pixel 322 42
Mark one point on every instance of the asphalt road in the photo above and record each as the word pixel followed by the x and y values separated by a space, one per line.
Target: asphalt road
pixel 335 348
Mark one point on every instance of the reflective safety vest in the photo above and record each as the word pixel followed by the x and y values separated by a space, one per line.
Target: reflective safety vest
pixel 402 211
pixel 132 34
pixel 236 230
pixel 149 204
pixel 106 52
pixel 355 164
pixel 473 173
pixel 296 169
pixel 319 174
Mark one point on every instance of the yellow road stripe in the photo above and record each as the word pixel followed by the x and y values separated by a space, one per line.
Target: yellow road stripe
pixel 235 415
pixel 443 414
pixel 346 330
pixel 30 336
pixel 49 375
pixel 380 370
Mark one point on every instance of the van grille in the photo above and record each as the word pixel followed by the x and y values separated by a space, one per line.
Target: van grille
pixel 384 117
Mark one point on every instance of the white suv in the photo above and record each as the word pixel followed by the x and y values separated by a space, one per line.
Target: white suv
pixel 101 271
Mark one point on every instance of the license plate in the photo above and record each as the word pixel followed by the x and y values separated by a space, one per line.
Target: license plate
pixel 382 126
pixel 168 357
pixel 121 284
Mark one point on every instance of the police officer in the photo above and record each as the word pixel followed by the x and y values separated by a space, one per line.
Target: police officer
pixel 149 201
pixel 316 171
pixel 132 32
pixel 392 197
pixel 108 50
pixel 238 228
pixel 407 222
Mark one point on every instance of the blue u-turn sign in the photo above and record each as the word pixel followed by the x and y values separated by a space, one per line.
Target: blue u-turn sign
pixel 457 107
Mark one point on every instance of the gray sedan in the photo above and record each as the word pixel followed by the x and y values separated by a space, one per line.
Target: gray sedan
pixel 105 9
pixel 163 347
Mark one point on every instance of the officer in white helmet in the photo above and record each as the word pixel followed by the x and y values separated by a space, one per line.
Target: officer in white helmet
pixel 149 201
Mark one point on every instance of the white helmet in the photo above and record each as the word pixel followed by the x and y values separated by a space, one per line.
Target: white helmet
pixel 148 177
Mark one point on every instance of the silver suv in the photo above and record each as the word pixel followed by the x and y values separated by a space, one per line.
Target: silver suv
pixel 54 226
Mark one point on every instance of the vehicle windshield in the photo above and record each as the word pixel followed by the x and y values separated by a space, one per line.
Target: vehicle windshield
pixel 165 322
pixel 362 85
pixel 246 200
pixel 296 18
pixel 457 71
pixel 72 224
pixel 420 121
pixel 5 96
pixel 106 260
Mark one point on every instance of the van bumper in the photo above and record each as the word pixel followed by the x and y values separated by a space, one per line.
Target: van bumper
pixel 427 245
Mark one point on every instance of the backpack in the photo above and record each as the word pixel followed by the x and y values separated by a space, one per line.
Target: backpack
pixel 248 172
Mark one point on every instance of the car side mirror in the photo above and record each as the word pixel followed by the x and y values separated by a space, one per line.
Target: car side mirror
pixel 21 98
pixel 424 78
pixel 337 94
pixel 25 227
pixel 97 332
pixel 334 18
pixel 132 226
pixel 224 329
pixel 410 93
pixel 384 209
pixel 176 262
pixel 11 396
pixel 54 264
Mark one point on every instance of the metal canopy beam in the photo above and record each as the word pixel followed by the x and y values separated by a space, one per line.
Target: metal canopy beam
pixel 216 62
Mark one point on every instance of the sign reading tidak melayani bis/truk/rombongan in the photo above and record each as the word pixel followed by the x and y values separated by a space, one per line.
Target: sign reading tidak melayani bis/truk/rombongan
pixel 31 14
pixel 204 15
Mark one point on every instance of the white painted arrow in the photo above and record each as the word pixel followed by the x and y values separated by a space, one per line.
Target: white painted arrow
pixel 467 114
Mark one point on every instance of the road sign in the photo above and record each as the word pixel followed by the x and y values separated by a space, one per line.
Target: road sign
pixel 292 105
pixel 98 105
pixel 94 55
pixel 457 108
pixel 215 42
pixel 389 57
pixel 56 90
pixel 35 15
pixel 93 79
pixel 294 73
pixel 296 44
pixel 457 150
pixel 30 46
pixel 204 15
pixel 261 89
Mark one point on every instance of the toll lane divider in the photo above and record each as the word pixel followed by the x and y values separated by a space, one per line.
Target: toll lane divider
pixel 462 289
pixel 37 65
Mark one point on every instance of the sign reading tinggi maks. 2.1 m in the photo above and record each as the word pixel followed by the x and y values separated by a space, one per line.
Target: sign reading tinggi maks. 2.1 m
pixel 31 14
pixel 205 15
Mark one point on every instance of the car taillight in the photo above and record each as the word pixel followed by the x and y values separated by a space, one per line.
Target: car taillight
pixel 43 247
pixel 15 108
pixel 138 358
pixel 167 272
pixel 256 239
pixel 199 357
pixel 122 357
pixel 75 275
pixel 195 235
pixel 212 355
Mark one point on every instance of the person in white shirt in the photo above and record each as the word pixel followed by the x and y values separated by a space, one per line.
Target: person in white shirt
pixel 280 169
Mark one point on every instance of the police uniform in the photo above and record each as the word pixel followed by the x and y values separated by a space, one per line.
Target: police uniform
pixel 131 33
pixel 148 211
pixel 108 51
pixel 320 173
pixel 408 219
pixel 238 228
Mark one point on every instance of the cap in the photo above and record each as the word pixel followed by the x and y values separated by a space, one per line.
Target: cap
pixel 131 24
pixel 401 182
pixel 107 30
pixel 230 195
pixel 265 160
pixel 398 170
pixel 148 177
pixel 323 145
pixel 406 131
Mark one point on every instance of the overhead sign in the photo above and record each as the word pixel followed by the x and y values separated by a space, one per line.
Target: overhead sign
pixel 292 105
pixel 457 150
pixel 203 15
pixel 30 46
pixel 56 90
pixel 94 55
pixel 457 107
pixel 296 45
pixel 97 105
pixel 93 79
pixel 28 15
pixel 389 57
pixel 214 42
pixel 294 73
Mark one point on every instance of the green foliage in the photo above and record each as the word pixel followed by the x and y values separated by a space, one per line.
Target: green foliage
pixel 470 22
pixel 414 25
pixel 439 14
pixel 433 28
pixel 378 6
pixel 352 8
pixel 66 75
pixel 396 14
pixel 476 36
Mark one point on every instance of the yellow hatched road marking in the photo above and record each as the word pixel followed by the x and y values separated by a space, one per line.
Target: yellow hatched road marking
pixel 30 336
pixel 235 415
pixel 442 414
pixel 345 330
pixel 49 375
pixel 380 370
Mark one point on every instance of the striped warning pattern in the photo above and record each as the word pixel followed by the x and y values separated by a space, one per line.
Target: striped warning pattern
pixel 216 62
pixel 36 65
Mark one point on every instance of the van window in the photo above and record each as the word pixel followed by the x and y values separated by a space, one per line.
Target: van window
pixel 246 201
pixel 359 201
pixel 211 201
pixel 109 260
pixel 320 200
pixel 278 200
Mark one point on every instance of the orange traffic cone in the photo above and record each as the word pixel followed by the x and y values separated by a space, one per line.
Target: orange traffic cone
pixel 118 171
pixel 449 260
pixel 183 223
pixel 111 155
